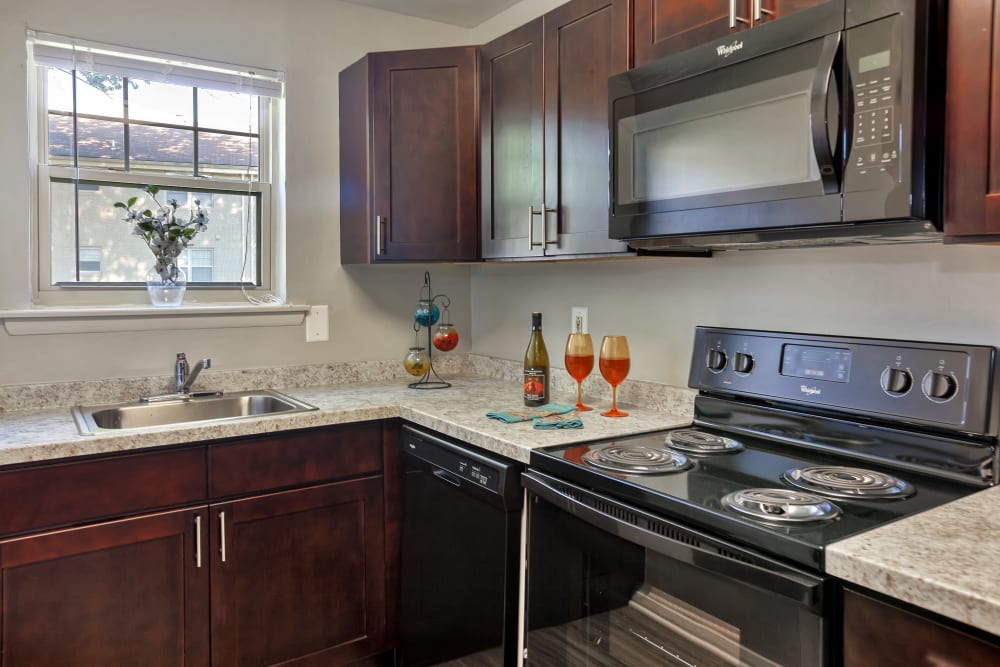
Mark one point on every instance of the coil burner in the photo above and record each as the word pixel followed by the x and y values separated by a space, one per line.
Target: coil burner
pixel 637 459
pixel 849 483
pixel 784 506
pixel 698 442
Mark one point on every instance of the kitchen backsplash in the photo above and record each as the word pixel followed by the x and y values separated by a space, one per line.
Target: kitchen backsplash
pixel 676 400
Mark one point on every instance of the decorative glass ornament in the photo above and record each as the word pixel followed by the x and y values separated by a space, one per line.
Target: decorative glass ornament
pixel 417 361
pixel 427 313
pixel 445 337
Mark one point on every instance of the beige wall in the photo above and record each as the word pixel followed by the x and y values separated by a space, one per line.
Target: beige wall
pixel 922 292
pixel 312 40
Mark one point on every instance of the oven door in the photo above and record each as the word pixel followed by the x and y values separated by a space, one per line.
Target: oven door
pixel 748 145
pixel 610 584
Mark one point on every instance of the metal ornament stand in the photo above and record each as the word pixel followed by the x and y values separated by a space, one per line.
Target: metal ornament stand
pixel 426 382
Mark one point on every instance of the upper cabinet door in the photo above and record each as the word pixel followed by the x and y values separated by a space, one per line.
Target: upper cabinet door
pixel 424 147
pixel 408 166
pixel 586 41
pixel 664 27
pixel 972 127
pixel 511 143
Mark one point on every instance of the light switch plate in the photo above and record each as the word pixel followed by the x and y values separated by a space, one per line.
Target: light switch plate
pixel 580 313
pixel 318 324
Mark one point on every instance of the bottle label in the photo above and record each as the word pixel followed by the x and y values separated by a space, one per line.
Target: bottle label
pixel 534 385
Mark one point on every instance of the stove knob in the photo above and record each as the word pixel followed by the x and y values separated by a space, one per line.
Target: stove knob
pixel 716 360
pixel 743 363
pixel 939 387
pixel 896 381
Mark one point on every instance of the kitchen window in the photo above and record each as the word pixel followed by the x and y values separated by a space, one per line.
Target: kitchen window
pixel 111 120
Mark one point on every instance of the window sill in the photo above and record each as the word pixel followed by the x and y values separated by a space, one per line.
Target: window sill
pixel 101 319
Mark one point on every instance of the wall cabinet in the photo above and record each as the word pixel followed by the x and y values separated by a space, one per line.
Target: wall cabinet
pixel 877 634
pixel 408 161
pixel 972 126
pixel 543 124
pixel 664 27
pixel 286 557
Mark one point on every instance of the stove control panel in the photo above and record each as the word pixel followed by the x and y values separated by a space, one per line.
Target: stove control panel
pixel 942 385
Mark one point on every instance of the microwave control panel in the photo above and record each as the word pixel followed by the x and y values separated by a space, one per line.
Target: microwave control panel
pixel 875 59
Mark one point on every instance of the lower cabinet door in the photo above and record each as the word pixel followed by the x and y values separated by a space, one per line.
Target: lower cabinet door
pixel 299 576
pixel 129 592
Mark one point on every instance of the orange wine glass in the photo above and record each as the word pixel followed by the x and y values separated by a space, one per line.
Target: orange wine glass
pixel 614 364
pixel 579 362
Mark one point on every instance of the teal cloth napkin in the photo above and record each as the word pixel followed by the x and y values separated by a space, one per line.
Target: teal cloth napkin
pixel 527 414
pixel 567 420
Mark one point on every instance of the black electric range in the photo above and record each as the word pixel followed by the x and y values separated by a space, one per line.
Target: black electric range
pixel 802 440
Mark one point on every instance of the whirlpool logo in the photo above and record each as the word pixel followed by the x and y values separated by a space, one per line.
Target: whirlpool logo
pixel 810 391
pixel 727 50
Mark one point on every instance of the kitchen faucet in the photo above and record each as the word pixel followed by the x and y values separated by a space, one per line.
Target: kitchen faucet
pixel 185 375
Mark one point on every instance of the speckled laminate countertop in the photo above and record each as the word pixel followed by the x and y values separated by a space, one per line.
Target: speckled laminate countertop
pixel 459 411
pixel 943 560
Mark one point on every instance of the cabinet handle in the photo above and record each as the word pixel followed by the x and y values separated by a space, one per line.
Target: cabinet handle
pixel 379 248
pixel 222 535
pixel 759 11
pixel 733 18
pixel 531 228
pixel 546 243
pixel 197 540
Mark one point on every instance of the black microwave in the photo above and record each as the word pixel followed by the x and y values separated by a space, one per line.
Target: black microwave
pixel 824 127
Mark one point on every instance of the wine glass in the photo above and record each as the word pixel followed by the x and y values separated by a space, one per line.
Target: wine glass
pixel 614 364
pixel 579 362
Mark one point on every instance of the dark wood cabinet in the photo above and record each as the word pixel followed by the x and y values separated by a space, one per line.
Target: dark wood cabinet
pixel 299 575
pixel 304 571
pixel 129 592
pixel 408 158
pixel 664 27
pixel 544 122
pixel 877 634
pixel 972 126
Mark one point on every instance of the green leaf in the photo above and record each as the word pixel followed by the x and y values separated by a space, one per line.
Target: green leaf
pixel 145 226
pixel 152 189
pixel 147 213
pixel 119 204
pixel 132 201
pixel 190 232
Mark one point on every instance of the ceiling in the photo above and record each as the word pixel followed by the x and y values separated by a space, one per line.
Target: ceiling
pixel 464 13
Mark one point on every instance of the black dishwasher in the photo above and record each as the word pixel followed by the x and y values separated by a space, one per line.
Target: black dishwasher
pixel 461 544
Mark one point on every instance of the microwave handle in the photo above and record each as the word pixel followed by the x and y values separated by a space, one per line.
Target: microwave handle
pixel 825 110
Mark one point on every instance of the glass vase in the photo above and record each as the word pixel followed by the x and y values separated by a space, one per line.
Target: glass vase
pixel 166 293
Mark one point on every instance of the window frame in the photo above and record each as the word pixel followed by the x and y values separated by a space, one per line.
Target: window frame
pixel 270 216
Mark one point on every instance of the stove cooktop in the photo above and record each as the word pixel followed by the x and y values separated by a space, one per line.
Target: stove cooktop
pixel 695 493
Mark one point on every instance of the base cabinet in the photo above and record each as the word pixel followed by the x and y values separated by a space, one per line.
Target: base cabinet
pixel 287 554
pixel 877 634
pixel 130 592
pixel 299 575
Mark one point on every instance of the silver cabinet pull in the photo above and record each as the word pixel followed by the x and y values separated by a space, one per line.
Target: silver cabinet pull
pixel 545 213
pixel 379 248
pixel 197 540
pixel 733 18
pixel 222 535
pixel 759 11
pixel 531 228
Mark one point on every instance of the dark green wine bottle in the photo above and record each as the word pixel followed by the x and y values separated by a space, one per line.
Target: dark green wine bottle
pixel 536 366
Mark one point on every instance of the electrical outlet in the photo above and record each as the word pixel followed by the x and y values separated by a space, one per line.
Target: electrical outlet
pixel 579 321
pixel 318 324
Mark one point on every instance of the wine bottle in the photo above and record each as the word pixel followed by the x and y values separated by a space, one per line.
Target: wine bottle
pixel 536 366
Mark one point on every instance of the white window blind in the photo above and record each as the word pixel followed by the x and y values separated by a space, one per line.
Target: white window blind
pixel 70 53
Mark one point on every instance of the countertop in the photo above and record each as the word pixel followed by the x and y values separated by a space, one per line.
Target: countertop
pixel 38 435
pixel 942 560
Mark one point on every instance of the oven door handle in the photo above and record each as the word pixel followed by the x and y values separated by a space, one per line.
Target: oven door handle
pixel 776 578
pixel 825 109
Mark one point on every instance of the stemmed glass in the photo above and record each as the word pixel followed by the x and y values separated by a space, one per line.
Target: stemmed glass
pixel 579 362
pixel 614 364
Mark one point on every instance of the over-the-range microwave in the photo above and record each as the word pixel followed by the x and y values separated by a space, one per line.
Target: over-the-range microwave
pixel 823 127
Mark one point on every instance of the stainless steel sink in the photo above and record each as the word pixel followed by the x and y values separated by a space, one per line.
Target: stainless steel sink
pixel 185 409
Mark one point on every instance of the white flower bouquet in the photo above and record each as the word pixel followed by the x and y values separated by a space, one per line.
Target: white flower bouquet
pixel 164 234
